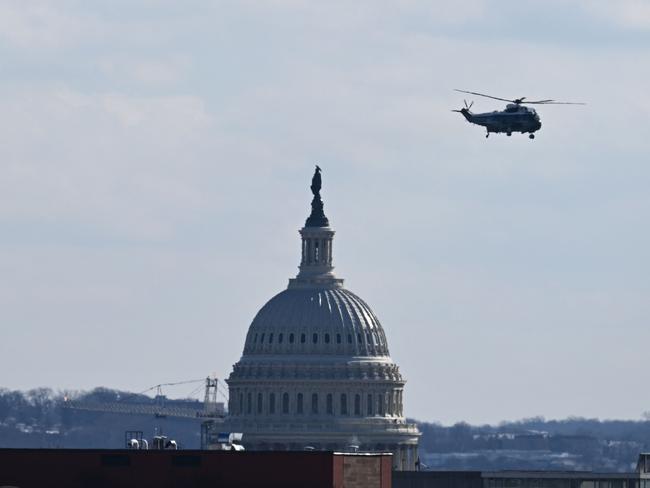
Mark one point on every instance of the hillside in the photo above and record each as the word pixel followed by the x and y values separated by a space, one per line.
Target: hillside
pixel 39 418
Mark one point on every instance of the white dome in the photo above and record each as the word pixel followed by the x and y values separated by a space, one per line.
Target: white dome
pixel 316 370
pixel 316 321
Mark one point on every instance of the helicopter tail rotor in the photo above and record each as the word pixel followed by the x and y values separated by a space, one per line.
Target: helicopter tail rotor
pixel 466 109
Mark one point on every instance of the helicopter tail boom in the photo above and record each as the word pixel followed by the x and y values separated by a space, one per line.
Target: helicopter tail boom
pixel 466 111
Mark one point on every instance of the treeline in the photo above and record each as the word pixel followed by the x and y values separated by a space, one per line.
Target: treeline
pixel 40 418
pixel 536 443
pixel 530 434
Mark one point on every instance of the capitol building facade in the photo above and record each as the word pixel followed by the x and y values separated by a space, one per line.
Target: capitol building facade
pixel 316 372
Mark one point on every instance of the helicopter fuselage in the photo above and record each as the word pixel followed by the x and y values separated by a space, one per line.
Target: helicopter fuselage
pixel 515 118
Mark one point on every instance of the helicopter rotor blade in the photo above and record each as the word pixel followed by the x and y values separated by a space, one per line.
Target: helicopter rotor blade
pixel 483 95
pixel 553 102
pixel 522 100
pixel 540 101
pixel 470 105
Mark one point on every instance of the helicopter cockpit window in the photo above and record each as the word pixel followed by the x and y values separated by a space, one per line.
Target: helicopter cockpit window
pixel 512 108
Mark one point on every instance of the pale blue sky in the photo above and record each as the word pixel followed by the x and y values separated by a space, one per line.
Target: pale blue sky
pixel 155 164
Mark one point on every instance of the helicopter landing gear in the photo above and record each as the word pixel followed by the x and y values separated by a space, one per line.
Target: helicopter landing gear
pixel 487 134
pixel 531 136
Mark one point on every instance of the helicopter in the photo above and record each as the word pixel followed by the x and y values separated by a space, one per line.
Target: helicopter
pixel 516 117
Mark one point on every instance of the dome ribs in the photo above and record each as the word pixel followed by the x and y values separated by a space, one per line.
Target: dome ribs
pixel 351 325
pixel 327 317
pixel 321 322
pixel 329 303
pixel 345 328
pixel 378 329
pixel 353 310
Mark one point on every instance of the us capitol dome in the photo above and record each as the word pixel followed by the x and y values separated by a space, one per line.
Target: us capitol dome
pixel 316 372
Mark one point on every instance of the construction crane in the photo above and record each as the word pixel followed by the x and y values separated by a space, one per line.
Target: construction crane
pixel 212 409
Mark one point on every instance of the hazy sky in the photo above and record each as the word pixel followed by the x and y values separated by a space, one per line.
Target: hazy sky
pixel 155 161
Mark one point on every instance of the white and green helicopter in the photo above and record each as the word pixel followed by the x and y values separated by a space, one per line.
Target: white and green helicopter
pixel 515 118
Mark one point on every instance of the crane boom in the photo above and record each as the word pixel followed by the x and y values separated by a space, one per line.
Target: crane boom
pixel 211 408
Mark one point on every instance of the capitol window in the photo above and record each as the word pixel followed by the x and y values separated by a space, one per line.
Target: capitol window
pixel 344 404
pixel 299 404
pixel 249 403
pixel 349 338
pixel 285 403
pixel 314 403
pixel 303 338
pixel 262 339
pixel 272 403
pixel 280 337
pixel 259 403
pixel 315 338
pixel 370 412
pixel 291 338
pixel 271 338
pixel 357 404
pixel 338 338
pixel 330 404
pixel 327 338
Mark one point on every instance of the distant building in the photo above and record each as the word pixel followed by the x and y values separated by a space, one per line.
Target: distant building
pixel 316 372
pixel 527 479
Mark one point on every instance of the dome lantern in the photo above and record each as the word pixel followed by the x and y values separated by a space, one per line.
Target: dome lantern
pixel 316 267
